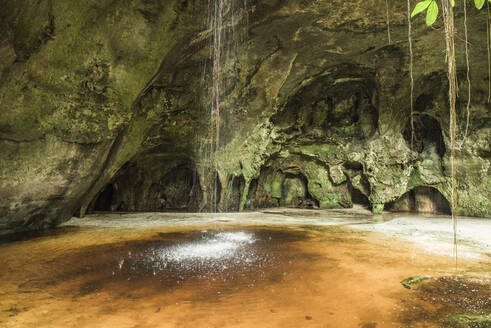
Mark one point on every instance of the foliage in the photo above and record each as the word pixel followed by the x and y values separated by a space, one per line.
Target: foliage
pixel 431 8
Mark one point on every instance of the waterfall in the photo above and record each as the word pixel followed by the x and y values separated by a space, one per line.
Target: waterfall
pixel 227 28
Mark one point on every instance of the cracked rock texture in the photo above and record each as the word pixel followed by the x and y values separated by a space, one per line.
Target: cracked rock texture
pixel 105 105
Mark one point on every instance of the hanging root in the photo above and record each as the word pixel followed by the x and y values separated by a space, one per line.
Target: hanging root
pixel 488 37
pixel 387 19
pixel 468 74
pixel 410 70
pixel 448 19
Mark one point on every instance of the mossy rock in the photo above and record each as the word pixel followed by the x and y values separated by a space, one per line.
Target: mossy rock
pixel 468 320
pixel 414 282
pixel 377 208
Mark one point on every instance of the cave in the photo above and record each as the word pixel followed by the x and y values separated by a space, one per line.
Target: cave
pixel 135 189
pixel 104 201
pixel 421 200
pixel 133 111
pixel 225 163
pixel 357 197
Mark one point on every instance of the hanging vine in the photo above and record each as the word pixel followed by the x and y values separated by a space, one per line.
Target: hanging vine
pixel 387 19
pixel 411 77
pixel 488 37
pixel 431 8
pixel 448 20
pixel 467 75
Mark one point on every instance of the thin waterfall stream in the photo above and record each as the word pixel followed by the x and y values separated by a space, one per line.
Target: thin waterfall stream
pixel 228 23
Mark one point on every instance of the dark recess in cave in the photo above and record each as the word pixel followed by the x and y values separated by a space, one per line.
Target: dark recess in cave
pixel 357 197
pixel 354 166
pixel 423 102
pixel 178 190
pixel 233 193
pixel 421 200
pixel 428 136
pixel 335 106
pixel 105 198
pixel 218 191
pixel 253 187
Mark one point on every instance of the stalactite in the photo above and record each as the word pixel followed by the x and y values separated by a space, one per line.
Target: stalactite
pixel 410 71
pixel 387 19
pixel 244 194
pixel 448 19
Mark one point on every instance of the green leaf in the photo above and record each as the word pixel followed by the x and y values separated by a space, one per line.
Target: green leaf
pixel 421 6
pixel 452 2
pixel 432 13
pixel 479 3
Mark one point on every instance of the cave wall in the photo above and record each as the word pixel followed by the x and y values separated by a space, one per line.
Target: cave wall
pixel 73 75
pixel 310 89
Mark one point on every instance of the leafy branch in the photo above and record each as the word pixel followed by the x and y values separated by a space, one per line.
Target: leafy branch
pixel 431 8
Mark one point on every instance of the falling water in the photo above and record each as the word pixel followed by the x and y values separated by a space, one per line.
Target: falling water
pixel 227 22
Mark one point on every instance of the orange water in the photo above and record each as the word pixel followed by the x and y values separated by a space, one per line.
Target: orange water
pixel 282 276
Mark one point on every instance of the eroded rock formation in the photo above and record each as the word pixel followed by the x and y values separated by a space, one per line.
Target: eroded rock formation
pixel 106 105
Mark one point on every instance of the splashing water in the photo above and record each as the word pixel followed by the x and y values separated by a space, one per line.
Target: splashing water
pixel 220 246
pixel 209 253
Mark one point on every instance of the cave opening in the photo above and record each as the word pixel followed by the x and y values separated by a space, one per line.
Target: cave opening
pixel 104 200
pixel 137 190
pixel 251 195
pixel 421 200
pixel 357 197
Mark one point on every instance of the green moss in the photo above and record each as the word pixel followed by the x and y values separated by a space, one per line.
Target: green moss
pixel 293 192
pixel 81 85
pixel 377 208
pixel 320 186
pixel 276 185
pixel 414 281
pixel 468 320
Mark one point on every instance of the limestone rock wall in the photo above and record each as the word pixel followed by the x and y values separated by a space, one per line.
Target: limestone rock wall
pixel 311 92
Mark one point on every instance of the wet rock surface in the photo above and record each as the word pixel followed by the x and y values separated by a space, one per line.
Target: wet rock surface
pixel 468 320
pixel 451 301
